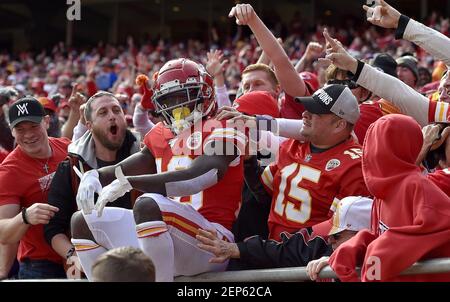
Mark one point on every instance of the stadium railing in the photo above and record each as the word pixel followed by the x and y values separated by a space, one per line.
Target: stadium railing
pixel 296 274
pixel 290 274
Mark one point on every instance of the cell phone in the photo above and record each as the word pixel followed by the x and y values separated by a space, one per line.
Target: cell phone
pixel 372 4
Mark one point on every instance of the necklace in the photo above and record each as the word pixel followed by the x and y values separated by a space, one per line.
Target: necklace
pixel 45 166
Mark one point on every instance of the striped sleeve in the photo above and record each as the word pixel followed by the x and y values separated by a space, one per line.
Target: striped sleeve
pixel 438 112
pixel 267 176
pixel 334 204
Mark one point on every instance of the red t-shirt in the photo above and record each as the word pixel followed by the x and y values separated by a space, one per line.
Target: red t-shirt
pixel 306 187
pixel 220 202
pixel 290 108
pixel 369 112
pixel 24 182
pixel 3 154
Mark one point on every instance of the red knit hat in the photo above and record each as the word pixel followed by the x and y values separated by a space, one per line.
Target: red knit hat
pixel 257 102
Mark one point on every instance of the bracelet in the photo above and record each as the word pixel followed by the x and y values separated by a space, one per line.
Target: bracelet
pixel 24 216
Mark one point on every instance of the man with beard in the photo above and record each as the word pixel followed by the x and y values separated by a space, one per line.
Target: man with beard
pixel 107 143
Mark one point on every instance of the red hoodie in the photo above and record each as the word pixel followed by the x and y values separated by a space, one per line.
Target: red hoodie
pixel 410 216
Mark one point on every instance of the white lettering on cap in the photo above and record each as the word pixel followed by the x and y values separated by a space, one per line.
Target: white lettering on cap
pixel 22 109
pixel 324 97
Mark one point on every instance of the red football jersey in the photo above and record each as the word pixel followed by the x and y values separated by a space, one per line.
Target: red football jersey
pixel 306 187
pixel 219 203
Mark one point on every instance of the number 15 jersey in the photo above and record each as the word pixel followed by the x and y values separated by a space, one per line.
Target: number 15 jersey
pixel 306 186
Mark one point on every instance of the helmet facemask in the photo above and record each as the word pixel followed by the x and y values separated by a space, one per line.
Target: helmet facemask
pixel 181 105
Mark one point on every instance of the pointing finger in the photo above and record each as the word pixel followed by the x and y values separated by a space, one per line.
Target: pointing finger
pixel 232 12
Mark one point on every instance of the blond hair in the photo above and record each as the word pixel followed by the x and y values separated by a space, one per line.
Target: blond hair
pixel 123 264
pixel 265 68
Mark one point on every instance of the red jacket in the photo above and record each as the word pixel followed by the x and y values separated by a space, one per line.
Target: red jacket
pixel 410 216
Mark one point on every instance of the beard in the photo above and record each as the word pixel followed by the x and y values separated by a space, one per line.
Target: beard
pixel 102 136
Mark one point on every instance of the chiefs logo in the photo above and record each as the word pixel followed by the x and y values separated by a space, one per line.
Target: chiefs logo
pixel 332 164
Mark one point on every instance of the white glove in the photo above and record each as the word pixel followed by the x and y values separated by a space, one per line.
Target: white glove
pixel 89 185
pixel 114 190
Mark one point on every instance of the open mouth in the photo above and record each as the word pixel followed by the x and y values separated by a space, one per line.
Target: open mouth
pixel 113 129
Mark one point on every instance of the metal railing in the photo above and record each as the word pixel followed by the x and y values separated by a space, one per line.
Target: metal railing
pixel 296 274
pixel 290 274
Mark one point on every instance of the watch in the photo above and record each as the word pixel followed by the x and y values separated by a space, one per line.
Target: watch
pixel 70 252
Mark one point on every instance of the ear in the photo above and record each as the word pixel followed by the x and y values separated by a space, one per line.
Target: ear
pixel 366 94
pixel 340 125
pixel 89 125
pixel 277 90
pixel 46 121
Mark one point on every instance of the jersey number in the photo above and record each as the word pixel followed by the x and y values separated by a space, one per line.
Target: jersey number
pixel 302 213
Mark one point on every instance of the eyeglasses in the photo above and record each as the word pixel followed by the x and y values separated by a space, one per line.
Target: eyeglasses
pixel 349 83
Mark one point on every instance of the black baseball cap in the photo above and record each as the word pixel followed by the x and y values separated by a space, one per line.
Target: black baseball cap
pixel 336 98
pixel 385 63
pixel 26 109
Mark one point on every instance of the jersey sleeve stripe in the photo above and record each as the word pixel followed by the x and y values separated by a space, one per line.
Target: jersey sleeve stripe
pixel 334 204
pixel 186 226
pixel 151 232
pixel 85 247
pixel 441 112
pixel 267 178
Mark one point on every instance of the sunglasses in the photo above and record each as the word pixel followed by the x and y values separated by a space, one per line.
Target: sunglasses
pixel 349 83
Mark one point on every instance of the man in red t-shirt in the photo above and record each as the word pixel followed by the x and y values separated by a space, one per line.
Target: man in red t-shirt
pixel 25 176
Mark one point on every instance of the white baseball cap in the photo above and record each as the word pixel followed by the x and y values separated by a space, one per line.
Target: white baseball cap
pixel 352 213
pixel 334 98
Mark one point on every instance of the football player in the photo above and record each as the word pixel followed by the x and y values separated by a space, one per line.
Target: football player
pixel 192 170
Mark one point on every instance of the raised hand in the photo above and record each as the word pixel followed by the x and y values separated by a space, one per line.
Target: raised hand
pixel 215 64
pixel 244 14
pixel 383 15
pixel 221 249
pixel 313 50
pixel 336 54
pixel 76 98
pixel 90 67
pixel 82 116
